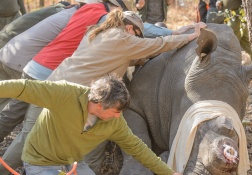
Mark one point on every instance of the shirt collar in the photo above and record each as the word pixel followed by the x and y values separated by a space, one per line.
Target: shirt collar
pixel 83 99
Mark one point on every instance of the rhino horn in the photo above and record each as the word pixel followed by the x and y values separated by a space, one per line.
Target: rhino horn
pixel 207 44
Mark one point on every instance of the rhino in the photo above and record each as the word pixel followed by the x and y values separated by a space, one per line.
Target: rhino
pixel 207 70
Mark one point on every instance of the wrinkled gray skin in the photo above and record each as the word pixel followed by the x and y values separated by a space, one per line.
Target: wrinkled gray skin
pixel 165 87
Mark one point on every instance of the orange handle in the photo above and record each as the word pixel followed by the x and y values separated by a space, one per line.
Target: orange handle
pixel 73 170
pixel 8 168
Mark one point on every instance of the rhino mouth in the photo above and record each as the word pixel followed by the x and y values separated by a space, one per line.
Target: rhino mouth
pixel 223 157
pixel 200 169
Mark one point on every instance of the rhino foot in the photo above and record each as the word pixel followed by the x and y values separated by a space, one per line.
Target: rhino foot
pixel 164 156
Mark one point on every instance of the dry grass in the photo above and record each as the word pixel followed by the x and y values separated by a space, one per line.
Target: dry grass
pixel 181 16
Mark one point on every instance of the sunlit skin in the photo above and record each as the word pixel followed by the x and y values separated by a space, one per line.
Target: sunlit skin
pixel 103 114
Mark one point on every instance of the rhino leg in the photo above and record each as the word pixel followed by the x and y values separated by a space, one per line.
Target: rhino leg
pixel 215 149
pixel 139 128
pixel 164 156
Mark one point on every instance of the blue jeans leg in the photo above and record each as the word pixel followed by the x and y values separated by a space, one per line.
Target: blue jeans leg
pixel 41 170
pixel 82 169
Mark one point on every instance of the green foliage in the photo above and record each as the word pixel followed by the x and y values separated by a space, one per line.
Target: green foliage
pixel 62 173
pixel 233 14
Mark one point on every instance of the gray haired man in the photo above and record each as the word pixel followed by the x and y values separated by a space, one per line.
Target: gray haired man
pixel 75 120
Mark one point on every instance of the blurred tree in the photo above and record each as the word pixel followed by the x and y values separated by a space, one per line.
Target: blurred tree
pixel 248 10
pixel 41 3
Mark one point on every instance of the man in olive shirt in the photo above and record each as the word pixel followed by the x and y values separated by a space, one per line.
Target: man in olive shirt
pixel 76 119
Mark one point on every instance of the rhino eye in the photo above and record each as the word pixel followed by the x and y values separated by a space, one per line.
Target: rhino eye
pixel 223 126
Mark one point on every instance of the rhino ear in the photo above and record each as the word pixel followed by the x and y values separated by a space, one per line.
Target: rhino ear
pixel 207 43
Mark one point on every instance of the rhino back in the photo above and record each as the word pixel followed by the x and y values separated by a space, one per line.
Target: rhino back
pixel 152 91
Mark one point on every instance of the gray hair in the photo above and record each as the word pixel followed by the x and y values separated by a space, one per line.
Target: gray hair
pixel 110 91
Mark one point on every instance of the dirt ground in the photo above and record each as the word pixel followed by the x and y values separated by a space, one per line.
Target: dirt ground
pixel 177 17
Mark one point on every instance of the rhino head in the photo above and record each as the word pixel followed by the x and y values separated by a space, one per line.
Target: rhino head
pixel 218 64
pixel 215 149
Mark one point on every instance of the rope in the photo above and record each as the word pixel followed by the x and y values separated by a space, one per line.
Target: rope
pixel 73 170
pixel 8 167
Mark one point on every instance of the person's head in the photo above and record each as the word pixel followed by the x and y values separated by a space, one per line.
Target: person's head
pixel 130 21
pixel 110 96
pixel 133 23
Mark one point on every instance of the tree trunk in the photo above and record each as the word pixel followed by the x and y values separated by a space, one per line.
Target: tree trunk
pixel 248 9
pixel 41 3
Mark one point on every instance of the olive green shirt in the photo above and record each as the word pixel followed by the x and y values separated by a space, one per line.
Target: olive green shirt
pixel 58 138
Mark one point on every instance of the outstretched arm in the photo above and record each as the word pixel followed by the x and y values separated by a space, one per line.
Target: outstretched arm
pixel 135 147
pixel 41 93
pixel 182 29
pixel 153 31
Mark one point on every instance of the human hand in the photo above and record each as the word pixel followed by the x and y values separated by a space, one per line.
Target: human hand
pixel 176 174
pixel 140 4
pixel 198 26
pixel 196 33
pixel 182 29
pixel 201 24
